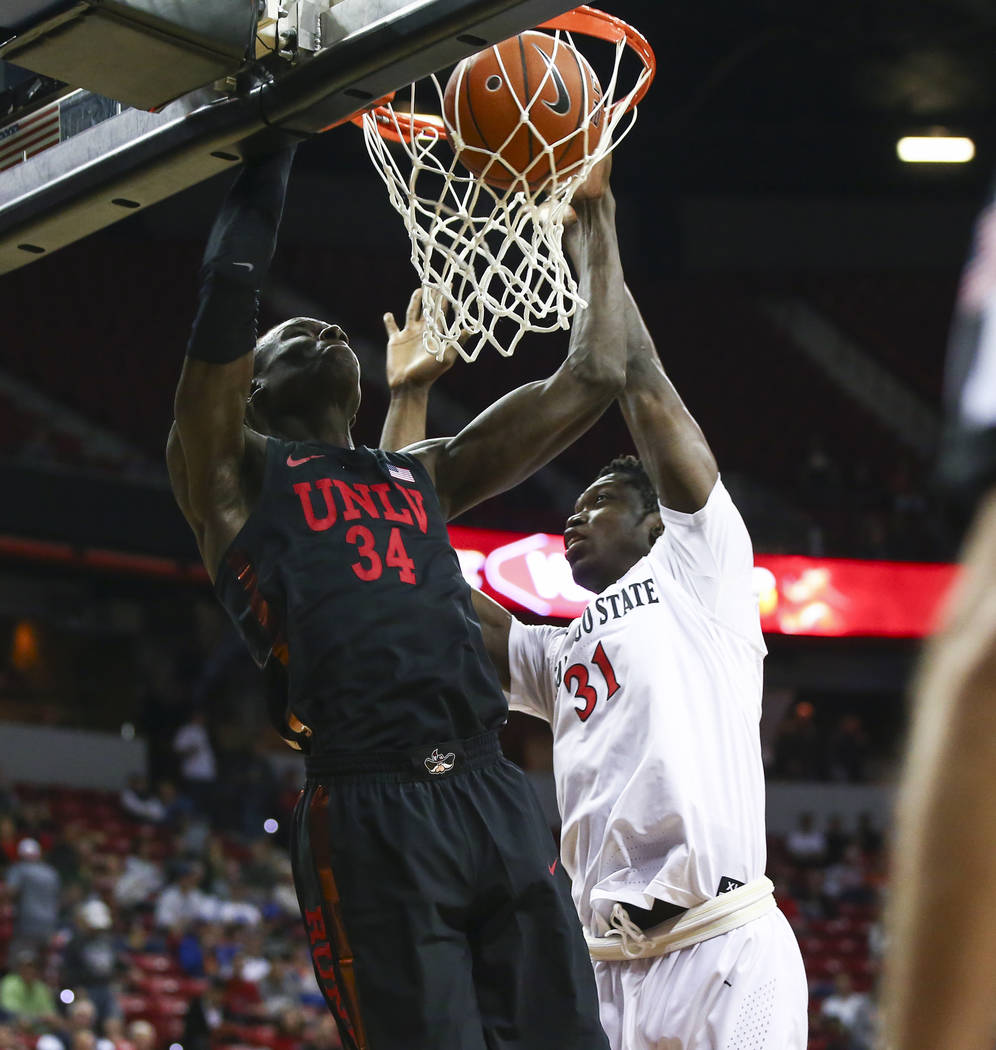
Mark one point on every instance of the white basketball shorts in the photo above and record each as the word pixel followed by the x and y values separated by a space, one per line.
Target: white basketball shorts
pixel 742 990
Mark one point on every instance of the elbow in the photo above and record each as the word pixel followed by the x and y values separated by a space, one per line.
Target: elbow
pixel 603 379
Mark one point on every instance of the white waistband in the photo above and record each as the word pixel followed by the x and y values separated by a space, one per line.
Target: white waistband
pixel 718 915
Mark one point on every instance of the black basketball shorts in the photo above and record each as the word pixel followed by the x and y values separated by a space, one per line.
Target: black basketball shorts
pixel 436 912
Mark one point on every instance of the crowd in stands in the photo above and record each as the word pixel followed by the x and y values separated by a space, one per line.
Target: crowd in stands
pixel 836 738
pixel 131 922
pixel 858 510
pixel 830 881
pixel 138 922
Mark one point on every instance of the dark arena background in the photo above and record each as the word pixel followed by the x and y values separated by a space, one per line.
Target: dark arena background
pixel 798 278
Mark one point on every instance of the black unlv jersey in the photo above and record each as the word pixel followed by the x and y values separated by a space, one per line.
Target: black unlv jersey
pixel 345 571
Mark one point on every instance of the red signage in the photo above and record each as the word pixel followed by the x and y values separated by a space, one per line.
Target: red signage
pixel 822 597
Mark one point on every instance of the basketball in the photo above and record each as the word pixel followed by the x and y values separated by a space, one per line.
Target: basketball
pixel 490 95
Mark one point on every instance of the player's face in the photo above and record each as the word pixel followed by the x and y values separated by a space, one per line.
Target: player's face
pixel 607 533
pixel 305 361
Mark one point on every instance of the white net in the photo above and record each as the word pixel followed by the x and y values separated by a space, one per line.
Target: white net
pixel 488 256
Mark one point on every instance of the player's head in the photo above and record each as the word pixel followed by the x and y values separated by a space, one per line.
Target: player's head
pixel 302 369
pixel 614 524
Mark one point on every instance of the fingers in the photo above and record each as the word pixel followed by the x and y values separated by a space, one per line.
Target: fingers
pixel 390 325
pixel 414 312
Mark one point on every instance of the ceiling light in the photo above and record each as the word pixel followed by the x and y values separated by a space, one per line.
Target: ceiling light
pixel 935 149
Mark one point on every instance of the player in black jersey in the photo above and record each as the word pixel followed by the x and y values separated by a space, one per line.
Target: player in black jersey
pixel 939 975
pixel 427 877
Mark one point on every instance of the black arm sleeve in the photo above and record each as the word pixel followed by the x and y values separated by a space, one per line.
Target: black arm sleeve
pixel 237 258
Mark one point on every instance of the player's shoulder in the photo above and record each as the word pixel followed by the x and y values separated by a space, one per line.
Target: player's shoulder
pixel 536 636
pixel 718 503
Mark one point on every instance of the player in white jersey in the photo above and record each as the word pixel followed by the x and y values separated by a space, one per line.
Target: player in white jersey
pixel 654 698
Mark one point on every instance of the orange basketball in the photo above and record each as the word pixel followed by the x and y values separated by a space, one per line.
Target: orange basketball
pixel 489 94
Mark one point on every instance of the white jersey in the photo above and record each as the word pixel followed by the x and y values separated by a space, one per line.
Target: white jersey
pixel 654 697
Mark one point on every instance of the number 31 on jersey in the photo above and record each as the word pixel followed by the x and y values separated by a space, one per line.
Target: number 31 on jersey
pixel 578 677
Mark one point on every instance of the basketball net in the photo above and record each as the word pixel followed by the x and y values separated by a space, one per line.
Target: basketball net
pixel 487 255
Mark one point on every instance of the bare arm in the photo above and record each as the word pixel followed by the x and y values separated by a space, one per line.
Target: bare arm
pixel 528 427
pixel 670 443
pixel 210 412
pixel 940 981
pixel 410 375
pixel 496 622
pixel 176 466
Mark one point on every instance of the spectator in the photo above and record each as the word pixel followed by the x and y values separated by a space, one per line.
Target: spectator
pixel 141 879
pixel 11 1039
pixel 138 801
pixel 34 887
pixel 114 1036
pixel 808 893
pixel 160 711
pixel 80 1017
pixel 69 853
pixel 9 838
pixel 137 940
pixel 142 1035
pixel 799 746
pixel 262 870
pixel 869 837
pixel 837 839
pixel 254 963
pixel 848 751
pixel 284 897
pixel 806 844
pixel 214 862
pixel 182 901
pixel 8 796
pixel 847 881
pixel 290 1028
pixel 852 1010
pixel 281 987
pixel 24 996
pixel 237 909
pixel 190 950
pixel 243 1002
pixel 256 792
pixel 175 806
pixel 92 960
pixel 198 768
pixel 205 1016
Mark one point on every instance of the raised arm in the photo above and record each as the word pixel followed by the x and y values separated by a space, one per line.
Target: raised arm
pixel 671 446
pixel 528 427
pixel 410 375
pixel 207 452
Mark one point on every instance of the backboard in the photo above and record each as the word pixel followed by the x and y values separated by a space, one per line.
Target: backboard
pixel 316 63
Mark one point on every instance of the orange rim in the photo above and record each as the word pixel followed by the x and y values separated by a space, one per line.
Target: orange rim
pixel 589 21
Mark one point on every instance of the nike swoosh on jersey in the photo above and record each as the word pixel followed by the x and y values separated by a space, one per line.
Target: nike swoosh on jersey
pixel 553 867
pixel 245 266
pixel 292 462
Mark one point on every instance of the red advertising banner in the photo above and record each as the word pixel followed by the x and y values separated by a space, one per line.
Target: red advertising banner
pixel 822 597
pixel 818 597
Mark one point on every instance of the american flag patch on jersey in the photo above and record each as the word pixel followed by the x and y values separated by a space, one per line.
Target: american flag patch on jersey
pixel 401 473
